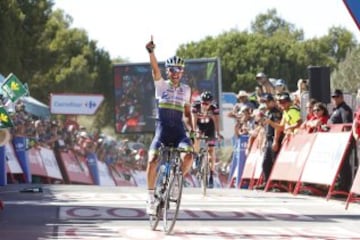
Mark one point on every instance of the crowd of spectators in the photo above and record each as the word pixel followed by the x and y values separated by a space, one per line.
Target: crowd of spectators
pixel 67 135
pixel 272 114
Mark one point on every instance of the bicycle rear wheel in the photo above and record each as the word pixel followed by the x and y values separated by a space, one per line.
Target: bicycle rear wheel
pixel 172 202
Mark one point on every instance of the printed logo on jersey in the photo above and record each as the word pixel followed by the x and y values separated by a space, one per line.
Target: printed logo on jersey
pixel 165 95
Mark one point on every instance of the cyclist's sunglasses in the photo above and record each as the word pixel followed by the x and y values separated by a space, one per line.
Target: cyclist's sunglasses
pixel 176 69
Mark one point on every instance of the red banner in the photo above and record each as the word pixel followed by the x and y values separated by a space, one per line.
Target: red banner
pixel 122 176
pixel 355 190
pixel 75 168
pixel 253 165
pixel 36 164
pixel 292 157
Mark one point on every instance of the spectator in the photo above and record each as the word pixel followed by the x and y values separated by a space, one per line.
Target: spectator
pixel 264 83
pixel 280 86
pixel 356 125
pixel 291 118
pixel 318 122
pixel 257 131
pixel 273 138
pixel 302 86
pixel 342 113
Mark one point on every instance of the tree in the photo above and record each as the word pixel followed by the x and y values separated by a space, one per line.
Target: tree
pixel 347 75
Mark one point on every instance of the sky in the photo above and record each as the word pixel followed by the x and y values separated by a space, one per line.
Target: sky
pixel 123 27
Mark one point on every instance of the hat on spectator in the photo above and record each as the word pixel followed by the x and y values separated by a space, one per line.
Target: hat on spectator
pixel 260 75
pixel 284 96
pixel 267 97
pixel 280 82
pixel 336 93
pixel 242 93
pixel 244 108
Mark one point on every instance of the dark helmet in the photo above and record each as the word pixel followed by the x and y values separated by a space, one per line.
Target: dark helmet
pixel 175 62
pixel 206 96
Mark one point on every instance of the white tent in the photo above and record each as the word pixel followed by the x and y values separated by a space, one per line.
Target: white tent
pixel 35 107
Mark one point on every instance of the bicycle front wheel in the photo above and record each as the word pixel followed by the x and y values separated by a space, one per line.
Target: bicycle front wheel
pixel 172 202
pixel 154 219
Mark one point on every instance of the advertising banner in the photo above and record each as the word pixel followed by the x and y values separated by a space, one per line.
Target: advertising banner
pixel 19 144
pixel 292 157
pixel 122 177
pixel 12 161
pixel 76 169
pixel 325 157
pixel 3 175
pixel 50 163
pixel 253 164
pixel 75 104
pixel 36 164
pixel 135 104
pixel 91 159
pixel 238 159
pixel 105 175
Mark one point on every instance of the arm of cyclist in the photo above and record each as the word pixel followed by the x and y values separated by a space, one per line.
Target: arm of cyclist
pixel 150 46
pixel 188 118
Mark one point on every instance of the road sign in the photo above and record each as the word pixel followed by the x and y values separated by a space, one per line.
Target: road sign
pixel 353 7
pixel 75 104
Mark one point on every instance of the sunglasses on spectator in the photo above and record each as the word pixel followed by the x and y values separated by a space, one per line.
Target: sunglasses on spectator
pixel 316 110
pixel 176 69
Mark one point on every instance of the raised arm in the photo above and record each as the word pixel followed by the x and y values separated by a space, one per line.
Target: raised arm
pixel 150 46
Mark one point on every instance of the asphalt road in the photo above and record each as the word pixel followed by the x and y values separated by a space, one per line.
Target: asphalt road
pixel 93 212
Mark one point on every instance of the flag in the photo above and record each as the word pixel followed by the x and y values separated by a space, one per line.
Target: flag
pixel 353 7
pixel 13 88
pixel 5 119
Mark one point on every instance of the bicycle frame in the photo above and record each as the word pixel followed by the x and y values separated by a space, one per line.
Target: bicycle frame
pixel 168 181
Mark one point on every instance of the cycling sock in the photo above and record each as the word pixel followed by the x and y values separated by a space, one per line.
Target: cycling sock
pixel 151 193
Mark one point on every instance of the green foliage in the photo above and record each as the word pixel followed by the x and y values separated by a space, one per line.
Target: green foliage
pixel 40 47
pixel 347 75
pixel 274 47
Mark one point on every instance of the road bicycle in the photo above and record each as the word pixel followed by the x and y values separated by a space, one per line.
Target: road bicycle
pixel 203 167
pixel 168 189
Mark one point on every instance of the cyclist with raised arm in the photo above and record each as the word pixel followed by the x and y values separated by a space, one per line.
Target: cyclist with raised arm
pixel 205 117
pixel 173 99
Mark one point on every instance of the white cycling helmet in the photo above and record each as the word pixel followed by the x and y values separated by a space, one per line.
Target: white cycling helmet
pixel 175 61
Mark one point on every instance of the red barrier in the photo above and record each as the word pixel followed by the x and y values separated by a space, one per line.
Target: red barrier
pixel 36 164
pixel 51 164
pixel 121 176
pixel 355 190
pixel 291 159
pixel 75 169
pixel 253 164
pixel 325 159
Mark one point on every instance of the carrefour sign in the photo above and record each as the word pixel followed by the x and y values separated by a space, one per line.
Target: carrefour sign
pixel 75 104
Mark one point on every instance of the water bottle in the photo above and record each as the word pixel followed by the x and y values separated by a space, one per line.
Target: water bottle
pixel 163 169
